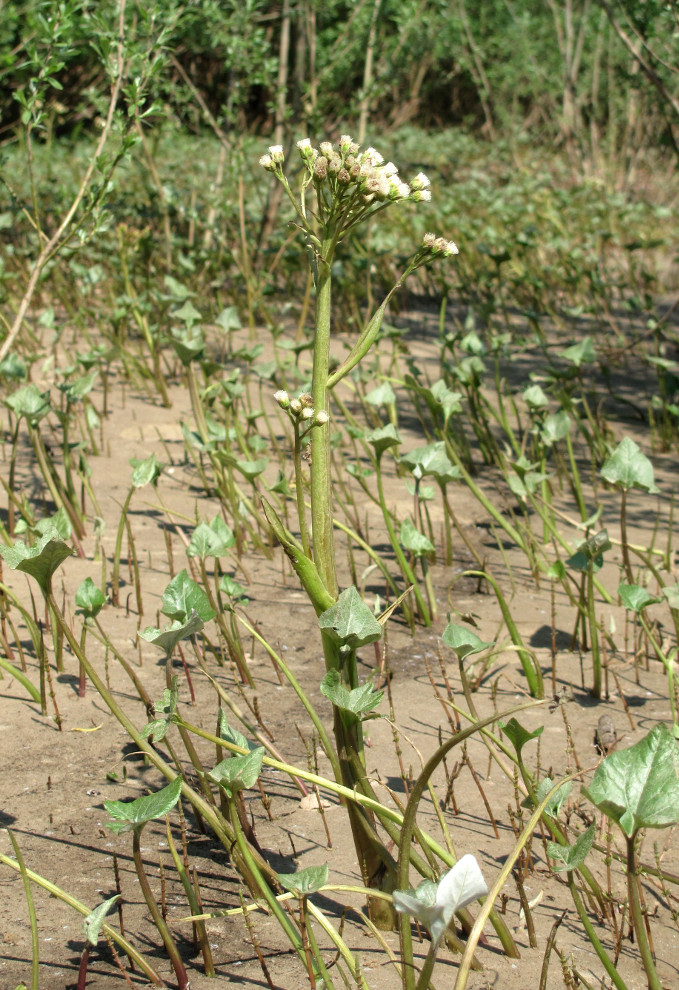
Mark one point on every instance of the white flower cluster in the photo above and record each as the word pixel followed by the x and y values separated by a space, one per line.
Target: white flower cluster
pixel 301 408
pixel 346 166
pixel 439 246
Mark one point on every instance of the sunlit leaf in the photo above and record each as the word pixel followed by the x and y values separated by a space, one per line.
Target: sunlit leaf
pixel 638 787
pixel 133 814
pixel 349 621
pixel 628 468
pixel 306 881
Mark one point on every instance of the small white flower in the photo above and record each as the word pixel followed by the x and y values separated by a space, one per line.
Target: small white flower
pixel 295 406
pixel 435 904
pixel 421 196
pixel 326 148
pixel 372 156
pixel 389 169
pixel 398 189
pixel 276 152
pixel 428 241
pixel 420 181
pixel 307 413
pixel 282 398
pixel 304 144
pixel 266 161
pixel 322 417
pixel 450 248
pixel 345 142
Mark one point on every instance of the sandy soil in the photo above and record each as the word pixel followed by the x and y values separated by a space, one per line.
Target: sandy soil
pixel 54 783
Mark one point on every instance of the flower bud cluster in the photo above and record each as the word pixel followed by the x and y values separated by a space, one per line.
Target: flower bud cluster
pixel 301 408
pixel 439 247
pixel 345 165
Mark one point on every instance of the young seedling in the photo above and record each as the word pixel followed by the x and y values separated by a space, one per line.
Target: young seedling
pixel 638 788
pixel 132 816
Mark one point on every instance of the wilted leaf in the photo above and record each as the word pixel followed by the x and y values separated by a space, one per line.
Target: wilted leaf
pixel 40 561
pixel 95 919
pixel 166 639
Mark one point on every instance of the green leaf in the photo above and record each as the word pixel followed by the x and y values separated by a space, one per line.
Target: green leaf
pixel 129 815
pixel 211 539
pixel 236 592
pixel 89 598
pixel 145 472
pixel 29 403
pixel 383 395
pixel 238 773
pixel 572 857
pixel 432 460
pixel 188 314
pixel 354 703
pixel 183 596
pixel 638 787
pixel 229 734
pixel 306 881
pixel 582 353
pixel 349 621
pixel 590 552
pixel 534 397
pixel 95 919
pixel 40 561
pixel 229 319
pixel 58 525
pixel 671 594
pixel 188 344
pixel 383 438
pixel 635 598
pixel 166 639
pixel 463 641
pixel 517 735
pixel 164 712
pixel 555 428
pixel 628 468
pixel 557 800
pixel 412 540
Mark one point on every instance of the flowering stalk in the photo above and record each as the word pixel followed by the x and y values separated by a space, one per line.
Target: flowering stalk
pixel 346 187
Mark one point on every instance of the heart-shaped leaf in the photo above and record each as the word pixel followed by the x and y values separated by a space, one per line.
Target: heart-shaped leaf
pixel 638 787
pixel 166 639
pixel 306 881
pixel 383 395
pixel 145 472
pixel 349 621
pixel 183 596
pixel 463 641
pixel 238 773
pixel 29 403
pixel 212 539
pixel 129 815
pixel 635 598
pixel 40 561
pixel 89 598
pixel 383 438
pixel 412 540
pixel 432 460
pixel 590 553
pixel 628 468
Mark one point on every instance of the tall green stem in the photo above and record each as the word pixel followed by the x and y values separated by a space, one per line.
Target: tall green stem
pixel 638 918
pixel 321 500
